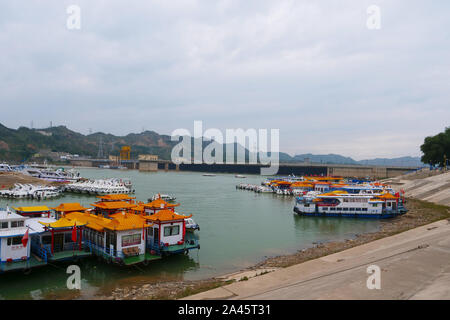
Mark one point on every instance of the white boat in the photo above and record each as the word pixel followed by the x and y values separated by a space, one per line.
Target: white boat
pixel 344 204
pixel 36 192
pixel 209 175
pixel 164 197
pixel 14 241
pixel 101 187
pixel 191 225
pixel 52 175
pixel 5 167
pixel 240 176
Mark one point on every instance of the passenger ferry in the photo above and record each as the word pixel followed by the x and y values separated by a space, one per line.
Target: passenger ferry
pixel 343 204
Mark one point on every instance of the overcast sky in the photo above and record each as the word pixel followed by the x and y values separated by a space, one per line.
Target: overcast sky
pixel 313 69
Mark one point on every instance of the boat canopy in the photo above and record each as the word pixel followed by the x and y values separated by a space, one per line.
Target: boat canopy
pixel 69 207
pixel 116 197
pixel 159 204
pixel 63 223
pixel 35 209
pixel 166 215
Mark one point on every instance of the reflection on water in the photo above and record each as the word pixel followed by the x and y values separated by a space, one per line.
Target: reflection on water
pixel 238 229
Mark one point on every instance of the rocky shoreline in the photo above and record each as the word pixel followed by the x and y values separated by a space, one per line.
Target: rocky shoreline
pixel 420 213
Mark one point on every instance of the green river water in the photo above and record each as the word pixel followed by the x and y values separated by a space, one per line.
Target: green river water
pixel 238 229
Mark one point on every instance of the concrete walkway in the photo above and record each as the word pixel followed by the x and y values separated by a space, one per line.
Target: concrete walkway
pixel 414 265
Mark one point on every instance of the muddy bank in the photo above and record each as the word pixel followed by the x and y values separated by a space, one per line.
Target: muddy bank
pixel 8 179
pixel 420 213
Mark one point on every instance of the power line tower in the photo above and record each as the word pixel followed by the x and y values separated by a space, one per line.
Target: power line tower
pixel 100 149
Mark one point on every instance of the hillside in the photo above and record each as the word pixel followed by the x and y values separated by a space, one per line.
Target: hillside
pixel 21 144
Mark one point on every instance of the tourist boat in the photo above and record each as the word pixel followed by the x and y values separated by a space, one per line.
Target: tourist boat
pixel 264 189
pixel 167 234
pixel 20 191
pixel 5 167
pixel 120 239
pixel 191 225
pixel 343 204
pixel 101 187
pixel 57 240
pixel 165 197
pixel 15 253
pixel 49 174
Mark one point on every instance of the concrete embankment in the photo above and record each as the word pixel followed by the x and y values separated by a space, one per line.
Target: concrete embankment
pixel 435 188
pixel 414 264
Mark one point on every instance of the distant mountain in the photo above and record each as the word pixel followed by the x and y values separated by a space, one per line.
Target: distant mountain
pixel 327 158
pixel 23 143
pixel 338 159
pixel 401 161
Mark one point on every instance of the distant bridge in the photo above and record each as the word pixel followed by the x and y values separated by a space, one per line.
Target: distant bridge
pixel 344 170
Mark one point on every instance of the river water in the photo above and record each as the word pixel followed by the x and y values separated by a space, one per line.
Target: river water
pixel 238 229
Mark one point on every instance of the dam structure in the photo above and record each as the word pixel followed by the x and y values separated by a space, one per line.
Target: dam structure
pixel 299 169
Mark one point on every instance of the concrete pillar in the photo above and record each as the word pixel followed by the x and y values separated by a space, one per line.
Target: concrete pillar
pixel 166 167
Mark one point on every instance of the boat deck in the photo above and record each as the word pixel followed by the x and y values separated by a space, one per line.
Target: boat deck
pixel 68 255
pixel 21 265
pixel 140 258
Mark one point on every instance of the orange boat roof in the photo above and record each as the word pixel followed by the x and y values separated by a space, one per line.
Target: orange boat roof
pixel 114 205
pixel 387 196
pixel 166 215
pixel 160 203
pixel 120 221
pixel 116 197
pixel 63 223
pixel 69 207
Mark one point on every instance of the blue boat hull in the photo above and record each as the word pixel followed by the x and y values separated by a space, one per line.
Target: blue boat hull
pixel 349 215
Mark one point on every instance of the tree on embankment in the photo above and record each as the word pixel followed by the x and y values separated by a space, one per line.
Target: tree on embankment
pixel 436 149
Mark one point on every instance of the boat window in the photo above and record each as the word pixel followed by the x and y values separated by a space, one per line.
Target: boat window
pixel 332 209
pixel 171 231
pixel 4 225
pixel 14 241
pixel 131 239
pixel 14 224
pixel 364 209
pixel 325 209
pixel 352 209
pixel 358 209
pixel 345 209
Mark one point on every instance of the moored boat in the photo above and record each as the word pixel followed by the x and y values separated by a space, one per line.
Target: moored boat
pixel 344 204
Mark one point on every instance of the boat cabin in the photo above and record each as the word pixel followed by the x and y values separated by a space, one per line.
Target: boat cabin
pixel 168 233
pixel 62 239
pixel 15 247
pixel 119 238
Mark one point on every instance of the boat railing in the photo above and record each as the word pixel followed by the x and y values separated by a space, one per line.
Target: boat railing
pixel 39 250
